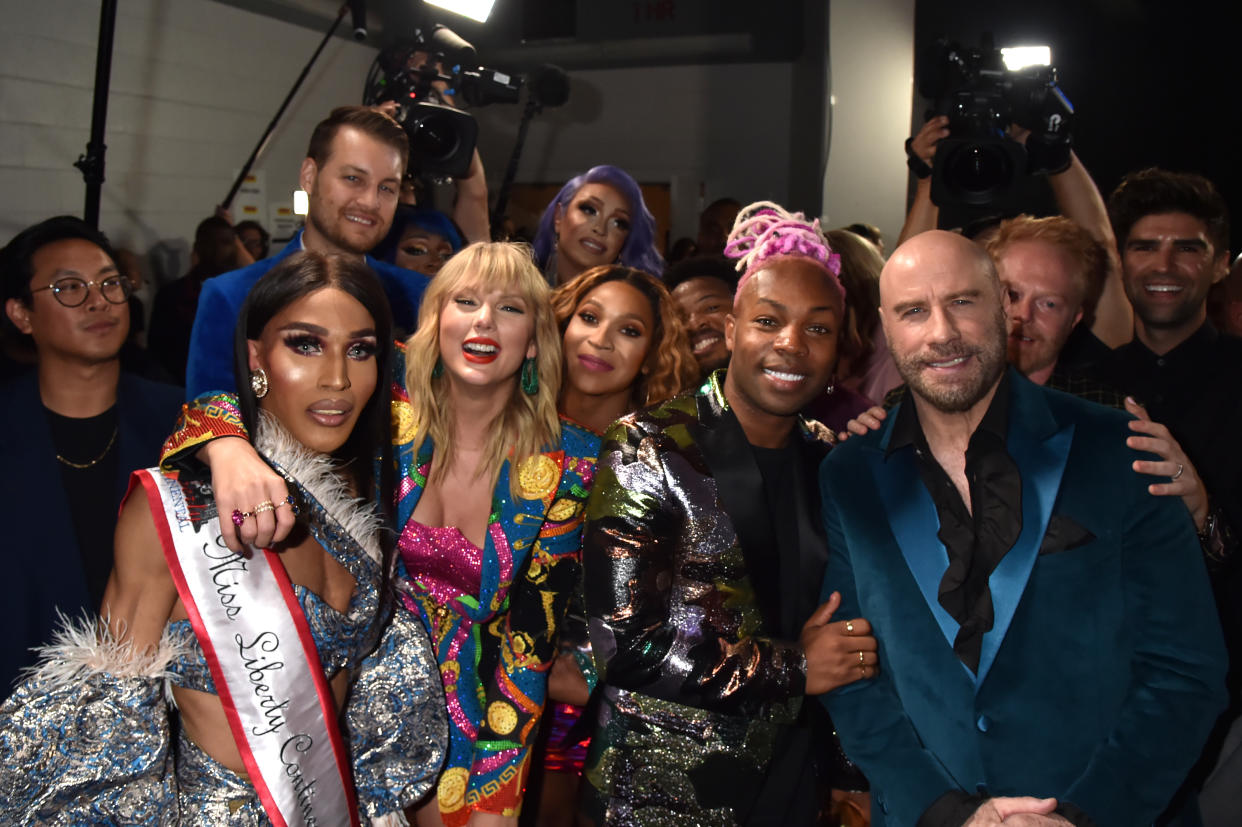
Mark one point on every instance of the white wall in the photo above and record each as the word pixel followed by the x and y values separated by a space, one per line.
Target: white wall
pixel 194 83
pixel 723 126
pixel 871 56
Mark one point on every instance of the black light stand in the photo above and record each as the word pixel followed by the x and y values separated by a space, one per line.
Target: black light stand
pixel 92 162
pixel 533 108
pixel 271 127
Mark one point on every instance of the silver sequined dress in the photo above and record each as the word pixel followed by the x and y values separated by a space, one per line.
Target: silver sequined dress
pixel 90 736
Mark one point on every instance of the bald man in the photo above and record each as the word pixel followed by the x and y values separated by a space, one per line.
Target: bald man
pixel 1048 649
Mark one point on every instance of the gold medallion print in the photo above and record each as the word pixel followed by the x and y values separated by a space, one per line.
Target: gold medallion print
pixel 403 426
pixel 562 510
pixel 452 789
pixel 537 477
pixel 501 717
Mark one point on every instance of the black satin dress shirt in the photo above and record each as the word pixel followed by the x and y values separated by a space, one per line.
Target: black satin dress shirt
pixel 978 538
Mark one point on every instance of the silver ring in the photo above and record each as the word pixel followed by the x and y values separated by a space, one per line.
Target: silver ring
pixel 1178 475
pixel 849 627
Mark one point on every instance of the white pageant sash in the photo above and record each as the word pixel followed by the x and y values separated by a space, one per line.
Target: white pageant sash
pixel 264 664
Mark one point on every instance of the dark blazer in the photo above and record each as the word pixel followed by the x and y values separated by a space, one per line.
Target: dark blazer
pixel 43 567
pixel 1104 669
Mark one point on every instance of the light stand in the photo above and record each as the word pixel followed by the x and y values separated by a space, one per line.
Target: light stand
pixel 92 162
pixel 533 108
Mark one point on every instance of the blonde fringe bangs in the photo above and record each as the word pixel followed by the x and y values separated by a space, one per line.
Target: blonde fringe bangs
pixel 529 424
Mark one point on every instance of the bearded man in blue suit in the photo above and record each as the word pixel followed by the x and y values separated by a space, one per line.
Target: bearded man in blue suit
pixel 1049 651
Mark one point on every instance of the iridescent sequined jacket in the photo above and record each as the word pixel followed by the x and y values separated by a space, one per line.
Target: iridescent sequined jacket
pixel 687 660
pixel 672 609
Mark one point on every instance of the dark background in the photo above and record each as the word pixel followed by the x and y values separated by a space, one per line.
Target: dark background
pixel 1152 83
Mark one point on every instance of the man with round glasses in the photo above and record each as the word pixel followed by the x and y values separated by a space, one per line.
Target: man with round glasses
pixel 71 429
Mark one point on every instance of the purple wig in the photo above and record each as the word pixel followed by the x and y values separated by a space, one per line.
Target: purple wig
pixel 639 250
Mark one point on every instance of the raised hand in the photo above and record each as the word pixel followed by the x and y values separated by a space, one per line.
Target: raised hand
pixel 1184 479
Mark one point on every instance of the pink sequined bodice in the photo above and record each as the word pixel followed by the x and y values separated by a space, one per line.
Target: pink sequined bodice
pixel 441 560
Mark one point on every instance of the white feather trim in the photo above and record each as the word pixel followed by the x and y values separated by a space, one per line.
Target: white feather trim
pixel 396 819
pixel 85 645
pixel 320 475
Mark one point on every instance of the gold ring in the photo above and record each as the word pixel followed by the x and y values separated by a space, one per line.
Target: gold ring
pixel 861 660
pixel 266 505
pixel 849 627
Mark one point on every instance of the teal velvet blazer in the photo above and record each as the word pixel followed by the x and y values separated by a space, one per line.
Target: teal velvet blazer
pixel 1104 669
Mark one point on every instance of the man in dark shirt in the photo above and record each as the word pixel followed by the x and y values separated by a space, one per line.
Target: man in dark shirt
pixel 71 430
pixel 702 557
pixel 1173 232
pixel 1048 653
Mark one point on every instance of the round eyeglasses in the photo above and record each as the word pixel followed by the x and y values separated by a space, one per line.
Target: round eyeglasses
pixel 72 291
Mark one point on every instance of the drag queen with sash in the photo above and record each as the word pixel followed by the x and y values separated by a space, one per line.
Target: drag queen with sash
pixel 281 687
pixel 491 490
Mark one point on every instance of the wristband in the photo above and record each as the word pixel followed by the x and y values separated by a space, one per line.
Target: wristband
pixel 916 164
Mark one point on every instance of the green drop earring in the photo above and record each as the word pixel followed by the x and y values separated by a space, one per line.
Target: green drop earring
pixel 530 376
pixel 438 370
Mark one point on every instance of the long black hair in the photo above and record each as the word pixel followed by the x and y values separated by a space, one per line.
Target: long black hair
pixel 367 453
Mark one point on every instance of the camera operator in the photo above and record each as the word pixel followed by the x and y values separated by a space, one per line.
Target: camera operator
pixel 1077 198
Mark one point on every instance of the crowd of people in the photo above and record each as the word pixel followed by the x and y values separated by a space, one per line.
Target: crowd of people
pixel 771 526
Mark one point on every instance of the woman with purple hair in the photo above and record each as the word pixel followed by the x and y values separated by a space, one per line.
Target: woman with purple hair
pixel 598 217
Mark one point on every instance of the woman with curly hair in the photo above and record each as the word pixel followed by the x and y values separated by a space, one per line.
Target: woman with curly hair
pixel 598 217
pixel 625 345
pixel 625 348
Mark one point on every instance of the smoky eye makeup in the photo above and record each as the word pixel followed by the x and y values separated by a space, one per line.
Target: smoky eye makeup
pixel 302 342
pixel 362 349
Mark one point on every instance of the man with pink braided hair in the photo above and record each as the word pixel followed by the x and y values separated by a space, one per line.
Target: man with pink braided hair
pixel 702 549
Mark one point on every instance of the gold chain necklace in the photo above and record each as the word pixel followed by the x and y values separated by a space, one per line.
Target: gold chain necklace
pixel 82 466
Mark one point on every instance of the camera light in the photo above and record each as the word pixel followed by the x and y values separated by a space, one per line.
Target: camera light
pixel 301 203
pixel 474 9
pixel 1019 57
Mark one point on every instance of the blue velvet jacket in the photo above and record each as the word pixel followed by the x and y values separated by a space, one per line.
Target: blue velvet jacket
pixel 1104 669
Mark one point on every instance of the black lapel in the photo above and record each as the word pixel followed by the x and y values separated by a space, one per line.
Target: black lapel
pixel 739 485
pixel 805 579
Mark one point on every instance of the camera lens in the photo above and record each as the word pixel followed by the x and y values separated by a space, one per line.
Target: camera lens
pixel 977 171
pixel 434 138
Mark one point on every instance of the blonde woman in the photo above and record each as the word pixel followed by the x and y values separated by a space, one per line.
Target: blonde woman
pixel 490 496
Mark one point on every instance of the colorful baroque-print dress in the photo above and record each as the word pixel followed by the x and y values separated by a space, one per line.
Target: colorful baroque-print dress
pixel 493 612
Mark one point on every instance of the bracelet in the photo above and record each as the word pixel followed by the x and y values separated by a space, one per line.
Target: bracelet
pixel 916 164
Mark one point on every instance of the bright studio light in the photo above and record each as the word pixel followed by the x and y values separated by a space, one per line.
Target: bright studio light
pixel 1019 57
pixel 301 204
pixel 474 9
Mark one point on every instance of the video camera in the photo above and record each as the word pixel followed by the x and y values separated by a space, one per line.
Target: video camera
pixel 411 73
pixel 979 164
